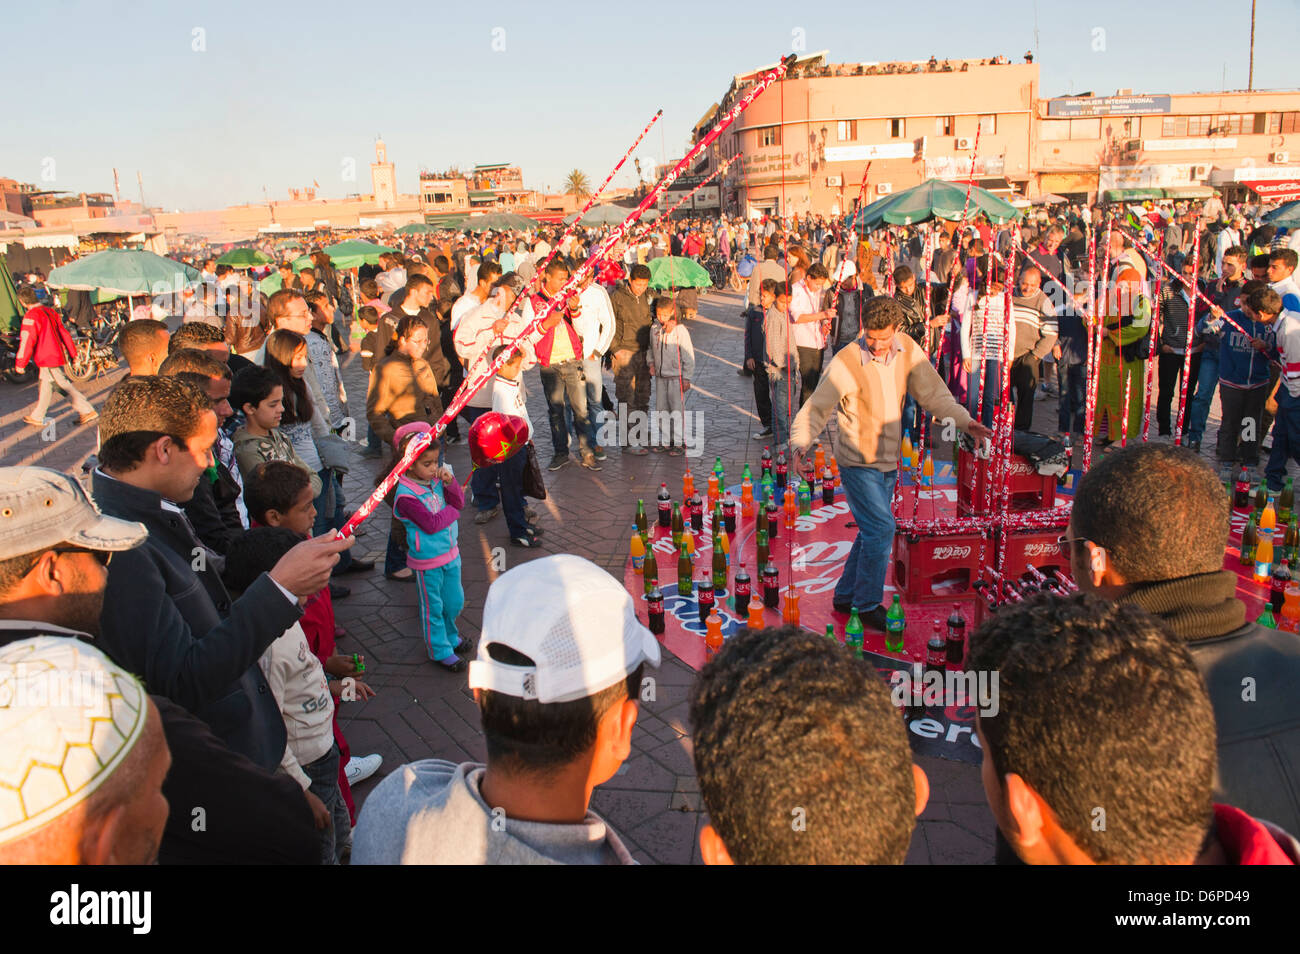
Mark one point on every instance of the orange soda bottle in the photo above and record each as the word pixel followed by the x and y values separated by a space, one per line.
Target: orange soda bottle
pixel 755 613
pixel 835 471
pixel 688 486
pixel 790 610
pixel 1264 549
pixel 637 546
pixel 1290 618
pixel 713 633
pixel 819 457
pixel 713 491
pixel 747 498
pixel 791 507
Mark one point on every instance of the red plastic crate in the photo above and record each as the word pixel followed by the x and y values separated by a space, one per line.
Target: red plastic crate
pixel 931 567
pixel 1033 547
pixel 1028 489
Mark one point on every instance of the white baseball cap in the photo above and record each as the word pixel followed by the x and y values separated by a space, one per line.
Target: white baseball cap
pixel 576 622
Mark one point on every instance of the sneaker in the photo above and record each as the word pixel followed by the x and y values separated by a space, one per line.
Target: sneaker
pixel 464 646
pixel 589 461
pixel 876 619
pixel 452 663
pixel 558 461
pixel 656 448
pixel 360 769
pixel 637 451
pixel 841 607
pixel 535 531
pixel 526 542
pixel 338 591
pixel 764 433
pixel 483 516
pixel 599 452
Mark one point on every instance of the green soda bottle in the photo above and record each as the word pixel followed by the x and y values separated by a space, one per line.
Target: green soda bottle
pixel 830 632
pixel 895 624
pixel 804 496
pixel 641 522
pixel 719 565
pixel 746 475
pixel 719 473
pixel 685 574
pixel 650 572
pixel 1266 618
pixel 853 632
pixel 1249 539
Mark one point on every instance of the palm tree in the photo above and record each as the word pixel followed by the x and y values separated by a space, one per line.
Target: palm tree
pixel 577 185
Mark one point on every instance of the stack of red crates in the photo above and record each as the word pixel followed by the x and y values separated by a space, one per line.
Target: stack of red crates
pixel 1027 489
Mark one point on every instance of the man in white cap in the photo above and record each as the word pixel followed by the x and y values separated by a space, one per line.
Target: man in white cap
pixel 82 758
pixel 55 549
pixel 557 680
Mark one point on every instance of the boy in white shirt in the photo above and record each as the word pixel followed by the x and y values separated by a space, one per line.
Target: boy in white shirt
pixel 672 364
pixel 298 682
pixel 508 398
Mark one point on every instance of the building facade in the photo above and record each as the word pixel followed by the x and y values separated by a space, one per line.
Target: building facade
pixel 805 144
pixel 383 178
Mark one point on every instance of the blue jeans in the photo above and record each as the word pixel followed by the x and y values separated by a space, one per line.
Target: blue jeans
pixel 1286 438
pixel 560 382
pixel 324 775
pixel 992 391
pixel 1207 382
pixel 329 513
pixel 780 389
pixel 482 480
pixel 1069 411
pixel 590 374
pixel 870 495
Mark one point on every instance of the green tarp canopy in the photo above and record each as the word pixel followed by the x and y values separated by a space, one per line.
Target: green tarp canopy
pixel 935 199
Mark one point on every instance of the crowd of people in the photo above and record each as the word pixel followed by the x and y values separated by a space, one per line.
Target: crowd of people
pixel 199 577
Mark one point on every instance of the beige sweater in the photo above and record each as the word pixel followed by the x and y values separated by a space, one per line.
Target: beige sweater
pixel 869 399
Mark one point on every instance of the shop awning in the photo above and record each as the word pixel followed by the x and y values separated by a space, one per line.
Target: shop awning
pixel 1276 190
pixel 1189 192
pixel 1132 195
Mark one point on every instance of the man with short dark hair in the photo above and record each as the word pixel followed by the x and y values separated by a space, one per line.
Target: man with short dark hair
pixel 558 682
pixel 167 615
pixel 216 511
pixel 883 361
pixel 630 348
pixel 1149 526
pixel 144 346
pixel 840 755
pixel 559 356
pixel 1131 789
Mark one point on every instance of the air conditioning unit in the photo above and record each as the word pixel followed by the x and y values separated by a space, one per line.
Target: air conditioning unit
pixel 834 181
pixel 1132 147
pixel 884 188
pixel 1280 157
pixel 963 142
pixel 1200 172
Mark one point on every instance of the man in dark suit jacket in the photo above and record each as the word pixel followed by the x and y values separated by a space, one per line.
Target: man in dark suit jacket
pixel 167 616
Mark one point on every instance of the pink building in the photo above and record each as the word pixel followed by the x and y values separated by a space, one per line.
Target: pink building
pixel 806 142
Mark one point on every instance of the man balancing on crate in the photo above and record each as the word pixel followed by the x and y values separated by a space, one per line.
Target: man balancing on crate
pixel 867 382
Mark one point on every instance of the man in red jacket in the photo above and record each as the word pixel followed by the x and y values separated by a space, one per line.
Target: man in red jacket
pixel 45 341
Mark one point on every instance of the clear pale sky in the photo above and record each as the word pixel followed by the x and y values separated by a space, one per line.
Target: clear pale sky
pixel 281 95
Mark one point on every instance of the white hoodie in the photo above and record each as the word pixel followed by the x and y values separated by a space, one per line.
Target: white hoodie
pixel 297 681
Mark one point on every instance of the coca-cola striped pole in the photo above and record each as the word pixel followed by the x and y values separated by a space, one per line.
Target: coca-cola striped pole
pixel 1089 406
pixel 1153 349
pixel 1191 319
pixel 686 198
pixel 473 385
pixel 536 280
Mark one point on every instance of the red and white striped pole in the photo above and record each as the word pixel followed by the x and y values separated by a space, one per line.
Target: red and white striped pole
pixel 1191 321
pixel 473 385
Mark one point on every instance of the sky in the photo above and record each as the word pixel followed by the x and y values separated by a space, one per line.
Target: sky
pixel 222 103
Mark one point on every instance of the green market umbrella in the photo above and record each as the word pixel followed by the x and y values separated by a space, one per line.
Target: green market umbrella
pixel 352 253
pixel 124 272
pixel 499 222
pixel 1285 216
pixel 607 215
pixel 11 312
pixel 415 228
pixel 677 272
pixel 244 258
pixel 935 199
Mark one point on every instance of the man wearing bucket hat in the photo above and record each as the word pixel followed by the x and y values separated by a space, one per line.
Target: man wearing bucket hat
pixel 557 680
pixel 55 548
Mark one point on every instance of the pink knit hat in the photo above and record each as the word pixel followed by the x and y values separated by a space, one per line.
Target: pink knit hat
pixel 415 427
